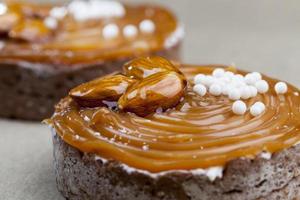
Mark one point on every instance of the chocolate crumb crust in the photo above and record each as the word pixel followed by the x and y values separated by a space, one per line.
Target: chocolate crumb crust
pixel 81 176
pixel 29 91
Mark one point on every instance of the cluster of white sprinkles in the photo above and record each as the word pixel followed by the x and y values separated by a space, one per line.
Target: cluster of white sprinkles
pixel 237 87
pixel 111 31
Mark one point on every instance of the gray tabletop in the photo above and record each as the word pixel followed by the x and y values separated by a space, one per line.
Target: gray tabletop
pixel 257 35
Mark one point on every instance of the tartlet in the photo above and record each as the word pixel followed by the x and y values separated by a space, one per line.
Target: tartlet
pixel 48 49
pixel 156 135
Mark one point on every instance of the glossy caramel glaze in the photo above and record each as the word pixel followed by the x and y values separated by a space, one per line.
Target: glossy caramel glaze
pixel 200 132
pixel 26 38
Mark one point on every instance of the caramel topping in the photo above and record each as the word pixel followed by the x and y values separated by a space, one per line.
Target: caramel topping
pixel 30 30
pixel 199 132
pixel 80 42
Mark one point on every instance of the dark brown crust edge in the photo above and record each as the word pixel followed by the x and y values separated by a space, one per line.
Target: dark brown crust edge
pixel 29 91
pixel 81 176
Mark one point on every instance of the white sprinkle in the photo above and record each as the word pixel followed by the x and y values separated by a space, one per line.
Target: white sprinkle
pixel 200 78
pixel 51 22
pixel 238 77
pixel 58 12
pixel 239 107
pixel 250 79
pixel 220 82
pixel 257 109
pixel 225 90
pixel 214 172
pixel 218 73
pixel 174 37
pixel 261 105
pixel 256 75
pixel 266 155
pixel 215 89
pixel 77 137
pixel 253 90
pixel 281 88
pixel 209 80
pixel 3 8
pixel 225 79
pixel 229 74
pixel 200 89
pixel 145 147
pixel 234 94
pixel 110 31
pixel 94 9
pixel 238 84
pixel 262 86
pixel 296 94
pixel 130 31
pixel 245 92
pixel 147 26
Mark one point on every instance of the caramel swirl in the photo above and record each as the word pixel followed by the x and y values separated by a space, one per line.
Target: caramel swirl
pixel 26 37
pixel 200 132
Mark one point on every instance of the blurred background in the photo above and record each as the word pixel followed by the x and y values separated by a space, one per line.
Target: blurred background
pixel 262 35
pixel 257 35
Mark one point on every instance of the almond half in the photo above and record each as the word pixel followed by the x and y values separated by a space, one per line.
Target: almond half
pixel 143 67
pixel 110 88
pixel 161 90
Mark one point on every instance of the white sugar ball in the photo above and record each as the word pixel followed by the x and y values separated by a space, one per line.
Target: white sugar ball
pixel 147 26
pixel 238 84
pixel 200 89
pixel 257 76
pixel 239 107
pixel 200 79
pixel 219 72
pixel 253 91
pixel 238 77
pixel 51 22
pixel 257 109
pixel 260 104
pixel 250 79
pixel 225 79
pixel 225 90
pixel 130 31
pixel 58 12
pixel 110 31
pixel 215 89
pixel 245 92
pixel 281 88
pixel 262 86
pixel 229 74
pixel 219 82
pixel 209 80
pixel 234 94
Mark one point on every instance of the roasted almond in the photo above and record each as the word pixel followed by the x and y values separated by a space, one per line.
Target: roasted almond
pixel 31 30
pixel 143 67
pixel 161 90
pixel 110 88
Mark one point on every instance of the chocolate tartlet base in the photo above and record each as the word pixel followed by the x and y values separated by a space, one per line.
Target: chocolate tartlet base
pixel 30 91
pixel 82 176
